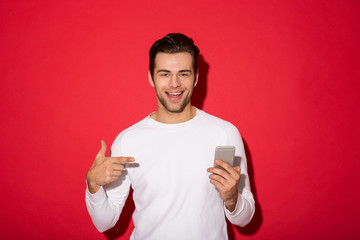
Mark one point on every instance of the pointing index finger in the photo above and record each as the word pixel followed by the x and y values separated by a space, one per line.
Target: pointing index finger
pixel 122 159
pixel 126 161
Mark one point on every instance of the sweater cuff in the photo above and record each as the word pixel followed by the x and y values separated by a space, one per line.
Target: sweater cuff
pixel 238 207
pixel 98 197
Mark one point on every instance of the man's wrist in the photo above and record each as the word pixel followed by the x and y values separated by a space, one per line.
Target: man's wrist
pixel 92 187
pixel 231 203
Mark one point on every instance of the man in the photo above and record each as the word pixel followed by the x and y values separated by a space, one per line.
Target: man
pixel 177 192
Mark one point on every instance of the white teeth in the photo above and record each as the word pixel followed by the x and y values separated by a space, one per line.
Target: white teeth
pixel 174 94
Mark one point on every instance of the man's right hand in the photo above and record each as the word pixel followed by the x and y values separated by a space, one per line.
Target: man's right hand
pixel 104 169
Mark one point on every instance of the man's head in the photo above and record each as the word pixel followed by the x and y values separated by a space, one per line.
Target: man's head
pixel 174 43
pixel 173 65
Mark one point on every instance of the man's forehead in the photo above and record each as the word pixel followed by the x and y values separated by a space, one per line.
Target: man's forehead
pixel 174 60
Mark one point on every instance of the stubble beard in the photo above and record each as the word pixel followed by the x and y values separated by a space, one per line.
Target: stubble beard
pixel 179 109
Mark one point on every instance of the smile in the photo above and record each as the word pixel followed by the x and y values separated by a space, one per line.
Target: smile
pixel 174 94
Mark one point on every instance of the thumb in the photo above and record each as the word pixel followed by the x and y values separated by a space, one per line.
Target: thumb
pixel 102 149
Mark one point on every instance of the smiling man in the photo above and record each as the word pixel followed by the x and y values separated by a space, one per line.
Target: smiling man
pixel 177 192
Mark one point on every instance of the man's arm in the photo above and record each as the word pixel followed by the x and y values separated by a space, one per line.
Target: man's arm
pixel 233 184
pixel 107 189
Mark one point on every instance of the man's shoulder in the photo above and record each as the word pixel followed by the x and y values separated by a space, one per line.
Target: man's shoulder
pixel 136 126
pixel 222 127
pixel 217 121
pixel 133 129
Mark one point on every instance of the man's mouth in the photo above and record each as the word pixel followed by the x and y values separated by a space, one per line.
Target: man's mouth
pixel 174 95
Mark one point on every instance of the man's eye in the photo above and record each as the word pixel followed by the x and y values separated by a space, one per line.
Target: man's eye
pixel 184 75
pixel 164 75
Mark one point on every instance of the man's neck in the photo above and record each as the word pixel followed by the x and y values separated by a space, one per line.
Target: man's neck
pixel 163 116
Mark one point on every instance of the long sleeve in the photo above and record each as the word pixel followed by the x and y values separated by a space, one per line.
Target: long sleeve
pixel 105 205
pixel 244 210
pixel 245 206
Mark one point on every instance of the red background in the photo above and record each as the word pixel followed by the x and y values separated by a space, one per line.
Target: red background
pixel 286 73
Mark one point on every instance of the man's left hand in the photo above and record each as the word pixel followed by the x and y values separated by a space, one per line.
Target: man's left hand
pixel 226 183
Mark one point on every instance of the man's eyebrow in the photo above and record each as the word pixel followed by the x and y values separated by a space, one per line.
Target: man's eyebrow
pixel 185 70
pixel 168 71
pixel 163 70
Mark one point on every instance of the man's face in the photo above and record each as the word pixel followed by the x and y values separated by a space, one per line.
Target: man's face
pixel 174 81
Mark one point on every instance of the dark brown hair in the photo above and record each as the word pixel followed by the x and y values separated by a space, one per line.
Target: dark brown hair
pixel 174 43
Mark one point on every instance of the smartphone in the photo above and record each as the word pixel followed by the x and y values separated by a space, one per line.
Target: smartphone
pixel 226 154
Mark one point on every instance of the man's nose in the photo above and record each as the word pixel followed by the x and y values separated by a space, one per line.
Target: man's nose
pixel 175 81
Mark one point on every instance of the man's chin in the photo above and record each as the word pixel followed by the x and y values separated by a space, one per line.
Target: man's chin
pixel 175 110
pixel 172 107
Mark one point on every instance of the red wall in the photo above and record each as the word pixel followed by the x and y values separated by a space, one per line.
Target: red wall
pixel 286 73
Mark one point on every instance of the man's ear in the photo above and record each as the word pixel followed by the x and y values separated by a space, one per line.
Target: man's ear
pixel 196 78
pixel 151 81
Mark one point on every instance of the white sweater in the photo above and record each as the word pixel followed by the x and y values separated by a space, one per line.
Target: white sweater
pixel 173 196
